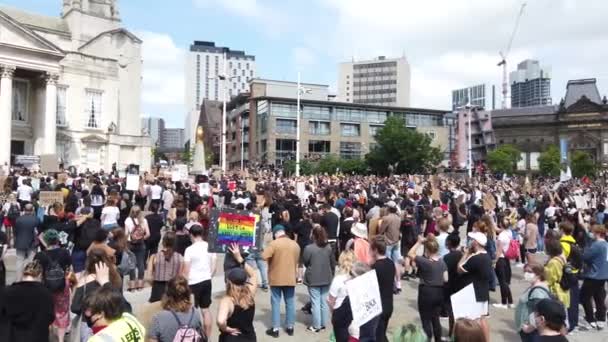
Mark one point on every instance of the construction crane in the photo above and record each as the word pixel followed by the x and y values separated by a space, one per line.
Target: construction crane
pixel 505 54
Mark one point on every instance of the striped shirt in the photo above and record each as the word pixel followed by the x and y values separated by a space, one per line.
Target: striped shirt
pixel 167 268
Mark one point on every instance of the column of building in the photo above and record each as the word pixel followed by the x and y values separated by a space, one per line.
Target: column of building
pixel 6 113
pixel 50 114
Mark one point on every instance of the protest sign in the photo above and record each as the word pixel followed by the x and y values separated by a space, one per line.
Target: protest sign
pixel 465 305
pixel 364 294
pixel 300 190
pixel 251 185
pixel 132 182
pixel 204 189
pixel 489 202
pixel 35 183
pixel 175 176
pixel 580 202
pixel 229 226
pixel 48 198
pixel 49 163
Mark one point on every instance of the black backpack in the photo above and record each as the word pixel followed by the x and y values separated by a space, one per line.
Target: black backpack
pixel 54 277
pixel 569 278
pixel 13 212
pixel 575 258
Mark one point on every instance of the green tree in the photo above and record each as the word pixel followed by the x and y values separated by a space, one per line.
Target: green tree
pixel 306 167
pixel 405 149
pixel 353 166
pixel 187 156
pixel 504 159
pixel 582 164
pixel 549 162
pixel 329 165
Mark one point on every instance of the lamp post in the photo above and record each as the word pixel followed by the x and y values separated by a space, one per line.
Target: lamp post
pixel 301 90
pixel 242 142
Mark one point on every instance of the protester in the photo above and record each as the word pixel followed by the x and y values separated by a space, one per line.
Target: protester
pixel 550 318
pixel 468 330
pixel 320 263
pixel 359 243
pixel 385 272
pixel 595 276
pixel 574 257
pixel 138 232
pixel 25 238
pixel 503 265
pixel 199 268
pixel 164 266
pixel 282 255
pixel 455 280
pixel 110 214
pixel 554 270
pixel 390 228
pixel 538 289
pixel 237 308
pixel 155 224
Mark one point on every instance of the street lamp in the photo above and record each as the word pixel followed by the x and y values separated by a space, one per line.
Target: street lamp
pixel 469 108
pixel 223 77
pixel 301 90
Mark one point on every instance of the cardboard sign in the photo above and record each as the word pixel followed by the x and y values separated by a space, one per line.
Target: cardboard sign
pixel 132 182
pixel 489 202
pixel 49 163
pixel 581 202
pixel 462 304
pixel 229 226
pixel 364 294
pixel 62 178
pixel 48 198
pixel 251 185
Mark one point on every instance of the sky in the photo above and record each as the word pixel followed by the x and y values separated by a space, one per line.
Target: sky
pixel 449 44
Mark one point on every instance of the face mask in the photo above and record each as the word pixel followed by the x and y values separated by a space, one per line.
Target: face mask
pixel 529 276
pixel 89 320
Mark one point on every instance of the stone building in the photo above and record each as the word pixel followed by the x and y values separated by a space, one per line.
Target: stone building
pixel 71 85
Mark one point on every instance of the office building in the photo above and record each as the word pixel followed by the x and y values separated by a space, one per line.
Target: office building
pixel 173 138
pixel 204 62
pixel 530 85
pixel 382 82
pixel 263 123
pixel 153 127
pixel 71 86
pixel 481 97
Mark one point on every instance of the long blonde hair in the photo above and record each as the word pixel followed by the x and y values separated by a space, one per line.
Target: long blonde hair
pixel 241 295
pixel 346 261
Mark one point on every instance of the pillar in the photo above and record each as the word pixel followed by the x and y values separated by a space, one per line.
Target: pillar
pixel 6 113
pixel 50 114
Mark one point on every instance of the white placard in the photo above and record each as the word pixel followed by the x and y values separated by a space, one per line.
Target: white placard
pixel 581 202
pixel 176 176
pixel 132 182
pixel 300 190
pixel 464 304
pixel 204 189
pixel 364 295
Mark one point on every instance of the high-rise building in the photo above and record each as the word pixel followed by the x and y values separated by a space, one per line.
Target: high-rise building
pixel 172 138
pixel 204 62
pixel 530 85
pixel 382 82
pixel 481 97
pixel 154 127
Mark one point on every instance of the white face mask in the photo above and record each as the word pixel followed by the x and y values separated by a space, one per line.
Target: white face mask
pixel 529 276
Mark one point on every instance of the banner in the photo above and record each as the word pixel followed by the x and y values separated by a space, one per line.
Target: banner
pixel 229 226
pixel 462 304
pixel 563 150
pixel 132 182
pixel 48 198
pixel 364 295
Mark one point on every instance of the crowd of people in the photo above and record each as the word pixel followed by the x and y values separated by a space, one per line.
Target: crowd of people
pixel 76 258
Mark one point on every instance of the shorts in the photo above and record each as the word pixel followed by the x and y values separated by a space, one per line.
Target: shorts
pixel 202 294
pixel 393 252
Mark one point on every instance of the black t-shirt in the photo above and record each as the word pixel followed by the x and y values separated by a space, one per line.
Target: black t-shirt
pixel 302 230
pixel 556 338
pixel 182 241
pixel 385 271
pixel 155 224
pixel 455 280
pixel 330 222
pixel 479 272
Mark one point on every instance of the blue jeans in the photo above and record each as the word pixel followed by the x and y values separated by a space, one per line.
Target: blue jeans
pixel 288 293
pixel 573 310
pixel 393 252
pixel 254 259
pixel 318 298
pixel 139 249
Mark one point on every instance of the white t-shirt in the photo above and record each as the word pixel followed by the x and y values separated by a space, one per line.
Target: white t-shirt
pixel 504 239
pixel 24 193
pixel 110 215
pixel 443 249
pixel 156 192
pixel 550 211
pixel 200 260
pixel 167 200
pixel 338 290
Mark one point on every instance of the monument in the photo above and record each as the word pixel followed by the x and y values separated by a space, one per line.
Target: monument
pixel 198 161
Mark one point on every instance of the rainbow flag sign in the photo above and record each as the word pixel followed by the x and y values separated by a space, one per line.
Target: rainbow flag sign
pixel 229 226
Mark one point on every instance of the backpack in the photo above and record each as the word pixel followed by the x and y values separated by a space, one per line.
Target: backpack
pixel 13 212
pixel 138 233
pixel 185 333
pixel 575 258
pixel 568 276
pixel 54 277
pixel 513 251
pixel 531 305
pixel 128 262
pixel 409 333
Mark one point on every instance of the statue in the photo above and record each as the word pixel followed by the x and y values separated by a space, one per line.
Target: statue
pixel 198 160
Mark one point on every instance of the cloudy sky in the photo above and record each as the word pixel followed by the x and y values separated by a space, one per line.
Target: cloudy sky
pixel 449 44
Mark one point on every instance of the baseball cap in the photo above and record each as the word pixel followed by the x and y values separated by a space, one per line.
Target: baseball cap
pixel 481 238
pixel 552 310
pixel 277 228
pixel 237 276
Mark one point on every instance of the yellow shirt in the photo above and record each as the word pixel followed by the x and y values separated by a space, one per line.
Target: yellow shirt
pixel 553 274
pixel 566 241
pixel 126 328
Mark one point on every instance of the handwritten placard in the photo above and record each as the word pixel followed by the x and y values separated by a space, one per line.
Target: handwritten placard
pixel 48 198
pixel 364 294
pixel 233 226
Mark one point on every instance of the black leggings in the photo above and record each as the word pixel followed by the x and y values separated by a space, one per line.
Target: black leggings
pixel 503 273
pixel 430 301
pixel 593 290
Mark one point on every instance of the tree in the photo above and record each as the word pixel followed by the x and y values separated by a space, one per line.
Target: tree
pixel 306 167
pixel 582 164
pixel 187 156
pixel 405 149
pixel 549 162
pixel 504 159
pixel 329 165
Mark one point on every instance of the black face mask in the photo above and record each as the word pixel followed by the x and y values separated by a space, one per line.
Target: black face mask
pixel 89 320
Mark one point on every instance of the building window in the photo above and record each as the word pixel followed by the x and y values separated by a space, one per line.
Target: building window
pixel 476 141
pixel 233 84
pixel 93 108
pixel 243 72
pixel 350 130
pixel 285 150
pixel 286 126
pixel 318 146
pixel 239 65
pixel 230 65
pixel 92 158
pixel 348 114
pixel 319 128
pixel 316 112
pixel 247 66
pixel 234 72
pixel 350 150
pixel 373 130
pixel 251 73
pixel 61 105
pixel 239 79
pixel 284 110
pixel 20 95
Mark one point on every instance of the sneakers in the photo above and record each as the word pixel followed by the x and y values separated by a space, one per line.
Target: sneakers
pixel 289 331
pixel 511 306
pixel 519 265
pixel 264 288
pixel 500 306
pixel 315 330
pixel 273 332
pixel 600 325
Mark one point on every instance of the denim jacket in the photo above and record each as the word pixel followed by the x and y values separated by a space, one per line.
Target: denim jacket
pixel 596 261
